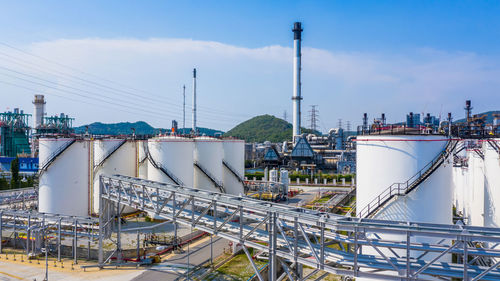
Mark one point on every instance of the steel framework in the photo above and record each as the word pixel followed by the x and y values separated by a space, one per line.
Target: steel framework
pixel 40 226
pixel 296 237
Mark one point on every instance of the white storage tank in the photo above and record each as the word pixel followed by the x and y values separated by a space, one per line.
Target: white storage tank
pixel 234 157
pixel 208 155
pixel 386 159
pixel 64 187
pixel 474 189
pixel 142 159
pixel 112 156
pixel 170 155
pixel 492 183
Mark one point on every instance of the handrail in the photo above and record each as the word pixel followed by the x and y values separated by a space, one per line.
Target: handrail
pixel 54 155
pixel 405 187
pixel 162 168
pixel 210 176
pixel 233 171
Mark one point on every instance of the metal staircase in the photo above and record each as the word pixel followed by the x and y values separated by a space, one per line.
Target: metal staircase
pixel 397 189
pixel 162 168
pixel 233 171
pixel 494 145
pixel 101 161
pixel 217 183
pixel 54 155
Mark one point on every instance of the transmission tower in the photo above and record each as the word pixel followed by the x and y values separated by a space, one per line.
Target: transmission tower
pixel 313 118
pixel 348 126
pixel 340 123
pixel 284 116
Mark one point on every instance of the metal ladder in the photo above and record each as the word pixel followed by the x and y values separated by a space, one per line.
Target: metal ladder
pixel 404 188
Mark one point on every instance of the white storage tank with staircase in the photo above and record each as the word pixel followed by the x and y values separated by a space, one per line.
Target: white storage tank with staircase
pixel 234 166
pixel 384 160
pixel 170 160
pixel 64 176
pixel 112 156
pixel 492 182
pixel 387 159
pixel 207 156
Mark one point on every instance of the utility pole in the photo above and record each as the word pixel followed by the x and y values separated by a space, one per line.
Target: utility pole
pixel 313 118
pixel 183 108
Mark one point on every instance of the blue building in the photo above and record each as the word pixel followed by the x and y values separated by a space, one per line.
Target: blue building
pixel 26 165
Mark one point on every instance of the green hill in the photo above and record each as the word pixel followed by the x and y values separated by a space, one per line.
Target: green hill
pixel 141 128
pixel 264 128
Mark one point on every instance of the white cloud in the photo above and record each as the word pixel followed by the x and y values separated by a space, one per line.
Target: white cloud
pixel 256 81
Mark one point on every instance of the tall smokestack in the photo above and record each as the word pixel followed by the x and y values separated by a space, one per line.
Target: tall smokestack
pixel 39 111
pixel 194 102
pixel 297 37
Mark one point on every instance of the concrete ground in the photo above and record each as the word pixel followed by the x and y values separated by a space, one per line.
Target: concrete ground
pixel 175 265
pixel 16 270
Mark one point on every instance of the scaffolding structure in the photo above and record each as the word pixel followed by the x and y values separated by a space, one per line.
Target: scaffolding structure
pixel 295 237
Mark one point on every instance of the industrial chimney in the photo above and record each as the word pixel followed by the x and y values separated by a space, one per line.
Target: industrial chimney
pixel 297 33
pixel 194 103
pixel 39 111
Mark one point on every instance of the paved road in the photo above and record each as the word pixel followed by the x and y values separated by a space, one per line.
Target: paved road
pixel 174 267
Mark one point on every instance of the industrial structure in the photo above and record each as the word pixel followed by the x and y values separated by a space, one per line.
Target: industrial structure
pixel 14 133
pixel 427 194
pixel 194 129
pixel 297 97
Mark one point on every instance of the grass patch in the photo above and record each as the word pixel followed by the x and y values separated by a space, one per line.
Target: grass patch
pixel 238 268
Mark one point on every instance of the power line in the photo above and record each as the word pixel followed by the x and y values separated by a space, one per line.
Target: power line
pixel 93 83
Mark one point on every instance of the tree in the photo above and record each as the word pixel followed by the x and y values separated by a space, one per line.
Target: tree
pixel 4 184
pixel 14 170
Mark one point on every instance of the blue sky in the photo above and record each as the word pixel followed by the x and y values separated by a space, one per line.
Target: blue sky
pixel 359 56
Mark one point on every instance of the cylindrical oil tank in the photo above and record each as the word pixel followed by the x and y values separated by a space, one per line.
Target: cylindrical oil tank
pixel 112 156
pixel 172 155
pixel 492 183
pixel 234 157
pixel 142 159
pixel 475 188
pixel 64 187
pixel 386 159
pixel 208 155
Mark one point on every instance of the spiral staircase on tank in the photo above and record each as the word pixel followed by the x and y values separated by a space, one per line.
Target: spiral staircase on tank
pixel 160 167
pixel 54 156
pixel 101 161
pixel 211 177
pixel 401 189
